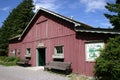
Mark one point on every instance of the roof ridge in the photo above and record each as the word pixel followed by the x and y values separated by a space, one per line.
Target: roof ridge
pixel 73 20
pixel 76 23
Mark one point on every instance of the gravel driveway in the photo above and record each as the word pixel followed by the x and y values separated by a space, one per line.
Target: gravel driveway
pixel 22 73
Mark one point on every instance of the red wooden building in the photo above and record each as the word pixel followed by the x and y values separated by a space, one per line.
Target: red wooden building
pixel 50 36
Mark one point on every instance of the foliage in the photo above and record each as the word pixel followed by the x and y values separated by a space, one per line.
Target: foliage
pixel 79 77
pixel 114 17
pixel 8 61
pixel 15 23
pixel 107 66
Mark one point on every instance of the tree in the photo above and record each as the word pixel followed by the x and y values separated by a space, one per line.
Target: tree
pixel 118 1
pixel 114 17
pixel 107 66
pixel 15 23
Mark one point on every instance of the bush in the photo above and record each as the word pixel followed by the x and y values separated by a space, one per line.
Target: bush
pixel 3 52
pixel 8 61
pixel 107 66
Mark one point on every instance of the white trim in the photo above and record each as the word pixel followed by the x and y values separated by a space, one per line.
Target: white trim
pixel 37 57
pixel 92 50
pixel 50 12
pixel 105 32
pixel 76 24
pixel 28 25
pixel 58 55
pixel 55 50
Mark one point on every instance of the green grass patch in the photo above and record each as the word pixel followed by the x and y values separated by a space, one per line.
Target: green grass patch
pixel 79 77
pixel 8 61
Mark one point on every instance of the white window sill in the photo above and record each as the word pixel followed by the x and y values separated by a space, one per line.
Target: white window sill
pixel 28 55
pixel 58 56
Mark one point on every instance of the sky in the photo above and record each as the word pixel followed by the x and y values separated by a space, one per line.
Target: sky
pixel 90 12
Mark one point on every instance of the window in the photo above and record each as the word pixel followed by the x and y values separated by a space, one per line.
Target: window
pixel 14 51
pixel 59 50
pixel 28 53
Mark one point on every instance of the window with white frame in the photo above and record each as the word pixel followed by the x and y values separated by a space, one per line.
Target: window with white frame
pixel 58 49
pixel 28 51
pixel 14 51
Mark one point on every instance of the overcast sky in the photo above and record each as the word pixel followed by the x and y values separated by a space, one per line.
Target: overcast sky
pixel 90 12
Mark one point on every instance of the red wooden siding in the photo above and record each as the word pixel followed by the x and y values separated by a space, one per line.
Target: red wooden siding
pixel 52 31
pixel 16 47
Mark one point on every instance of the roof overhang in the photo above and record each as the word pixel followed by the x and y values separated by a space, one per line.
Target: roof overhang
pixel 60 16
pixel 52 13
pixel 98 31
pixel 78 26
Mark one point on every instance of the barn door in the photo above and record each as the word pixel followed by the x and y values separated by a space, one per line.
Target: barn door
pixel 41 56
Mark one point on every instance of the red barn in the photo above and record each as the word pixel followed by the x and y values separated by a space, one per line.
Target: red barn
pixel 50 36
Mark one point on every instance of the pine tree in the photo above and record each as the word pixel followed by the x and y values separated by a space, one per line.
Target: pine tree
pixel 118 1
pixel 15 23
pixel 114 17
pixel 107 66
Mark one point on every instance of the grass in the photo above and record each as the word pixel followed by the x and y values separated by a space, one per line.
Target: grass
pixel 79 77
pixel 73 76
pixel 8 61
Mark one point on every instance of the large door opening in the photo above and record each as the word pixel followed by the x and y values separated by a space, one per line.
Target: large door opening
pixel 41 56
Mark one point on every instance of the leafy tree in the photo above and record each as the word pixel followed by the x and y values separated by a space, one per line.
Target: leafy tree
pixel 15 23
pixel 114 17
pixel 107 66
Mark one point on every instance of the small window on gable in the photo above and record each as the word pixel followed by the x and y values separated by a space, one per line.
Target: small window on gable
pixel 58 49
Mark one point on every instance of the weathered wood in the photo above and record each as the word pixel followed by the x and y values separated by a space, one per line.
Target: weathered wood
pixel 23 62
pixel 64 66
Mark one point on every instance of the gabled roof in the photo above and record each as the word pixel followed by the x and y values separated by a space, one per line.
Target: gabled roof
pixel 15 37
pixel 82 27
pixel 76 23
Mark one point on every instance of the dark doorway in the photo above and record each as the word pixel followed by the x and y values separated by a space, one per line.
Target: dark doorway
pixel 41 56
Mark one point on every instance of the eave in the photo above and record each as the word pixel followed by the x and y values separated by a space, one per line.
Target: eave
pixel 103 31
pixel 76 23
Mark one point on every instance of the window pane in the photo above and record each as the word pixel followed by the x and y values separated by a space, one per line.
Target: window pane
pixel 59 49
pixel 28 50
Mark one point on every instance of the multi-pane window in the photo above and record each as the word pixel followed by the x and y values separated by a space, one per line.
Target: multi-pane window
pixel 59 50
pixel 28 51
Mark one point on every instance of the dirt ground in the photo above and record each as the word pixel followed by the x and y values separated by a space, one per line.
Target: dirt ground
pixel 23 73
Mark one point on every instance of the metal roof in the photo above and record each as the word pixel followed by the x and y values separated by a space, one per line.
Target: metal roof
pixel 98 30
